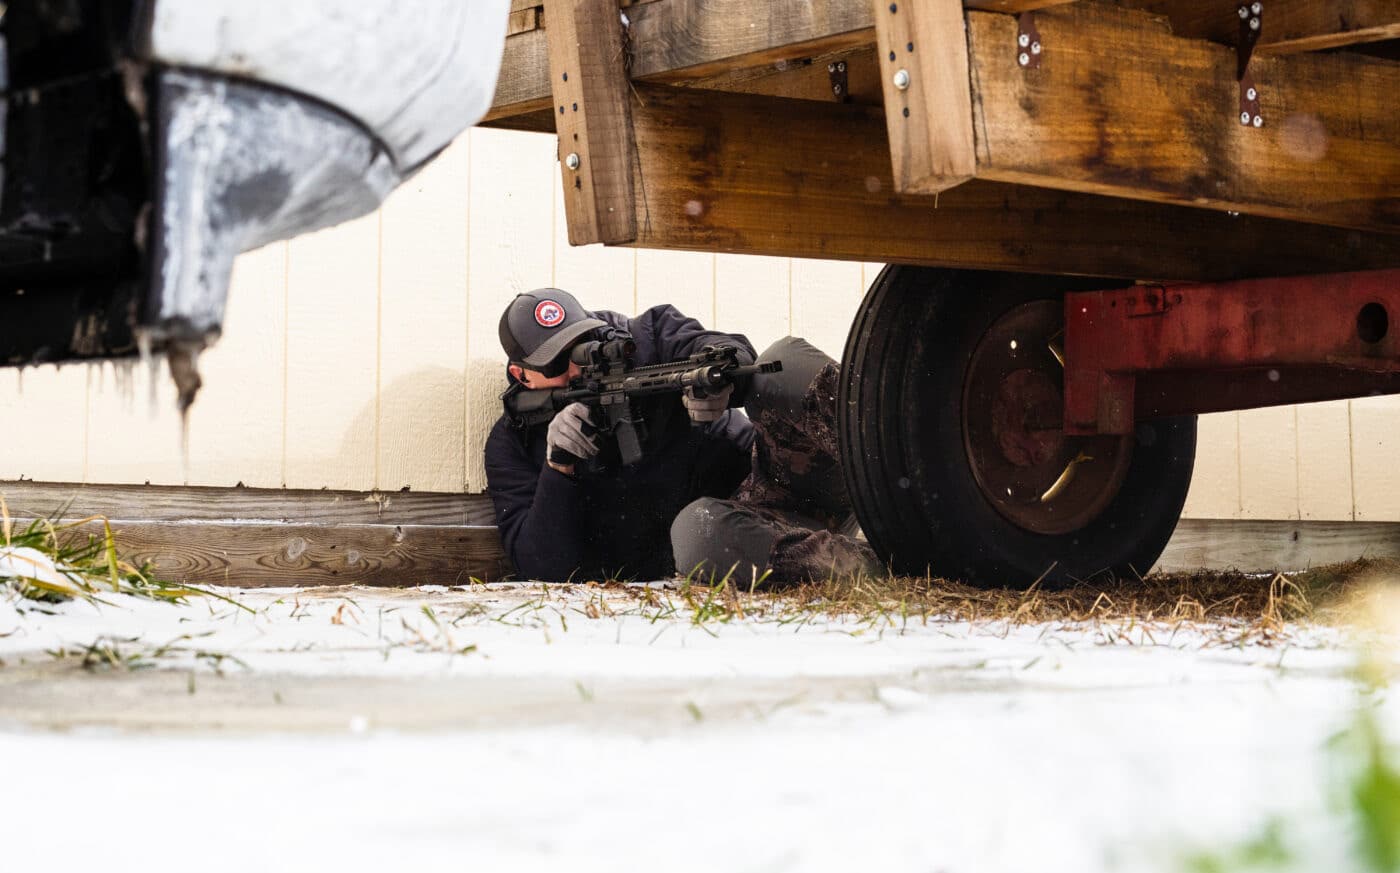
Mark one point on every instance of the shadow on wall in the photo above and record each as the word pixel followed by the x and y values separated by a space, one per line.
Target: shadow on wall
pixel 420 415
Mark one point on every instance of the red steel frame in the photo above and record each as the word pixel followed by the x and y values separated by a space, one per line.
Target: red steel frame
pixel 1155 350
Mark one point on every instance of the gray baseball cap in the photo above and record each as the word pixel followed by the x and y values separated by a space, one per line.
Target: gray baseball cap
pixel 538 326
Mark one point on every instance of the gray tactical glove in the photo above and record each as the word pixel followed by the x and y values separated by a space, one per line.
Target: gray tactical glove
pixel 572 436
pixel 704 410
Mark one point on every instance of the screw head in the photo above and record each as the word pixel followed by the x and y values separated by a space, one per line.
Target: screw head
pixel 841 66
pixel 1253 24
pixel 901 79
pixel 831 68
pixel 1035 48
pixel 1024 39
pixel 1258 121
pixel 1244 12
pixel 572 161
pixel 1251 94
pixel 1256 7
pixel 1023 59
pixel 1244 118
pixel 836 89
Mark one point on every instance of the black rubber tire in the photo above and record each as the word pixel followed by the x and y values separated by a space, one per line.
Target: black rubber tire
pixel 906 464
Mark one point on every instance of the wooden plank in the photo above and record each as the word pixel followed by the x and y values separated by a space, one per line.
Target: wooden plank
pixel 680 40
pixel 1287 26
pixel 928 96
pixel 1121 108
pixel 283 555
pixel 522 20
pixel 324 507
pixel 754 175
pixel 1274 546
pixel 596 151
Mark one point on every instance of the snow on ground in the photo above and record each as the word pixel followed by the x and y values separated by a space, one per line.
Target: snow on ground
pixel 505 728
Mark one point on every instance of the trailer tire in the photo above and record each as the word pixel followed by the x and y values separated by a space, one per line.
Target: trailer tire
pixel 915 435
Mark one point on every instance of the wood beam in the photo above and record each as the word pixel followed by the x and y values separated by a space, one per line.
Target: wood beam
pixel 1123 108
pixel 758 175
pixel 1288 26
pixel 594 123
pixel 924 66
pixel 683 40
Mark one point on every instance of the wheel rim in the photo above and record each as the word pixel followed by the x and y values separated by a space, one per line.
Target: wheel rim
pixel 1035 475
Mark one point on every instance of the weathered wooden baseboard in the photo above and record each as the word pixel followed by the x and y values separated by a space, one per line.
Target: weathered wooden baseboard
pixel 1266 546
pixel 274 537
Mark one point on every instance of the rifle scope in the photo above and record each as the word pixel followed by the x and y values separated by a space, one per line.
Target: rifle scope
pixel 595 352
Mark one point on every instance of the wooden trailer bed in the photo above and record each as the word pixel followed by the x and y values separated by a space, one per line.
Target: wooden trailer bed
pixel 1118 150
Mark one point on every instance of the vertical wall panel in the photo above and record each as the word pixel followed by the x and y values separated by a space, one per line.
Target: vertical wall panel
pixel 423 328
pixel 1215 486
pixel 236 424
pixel 43 422
pixel 511 221
pixel 599 276
pixel 752 297
pixel 332 337
pixel 1375 448
pixel 1268 463
pixel 686 280
pixel 1324 462
pixel 825 295
pixel 135 435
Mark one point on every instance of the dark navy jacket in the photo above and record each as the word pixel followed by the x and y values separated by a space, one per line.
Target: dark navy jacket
pixel 614 522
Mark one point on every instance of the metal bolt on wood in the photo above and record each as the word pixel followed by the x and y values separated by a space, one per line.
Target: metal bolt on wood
pixel 1024 39
pixel 572 161
pixel 1252 94
pixel 1035 48
pixel 1244 118
pixel 1023 59
pixel 1258 121
pixel 1256 8
pixel 901 79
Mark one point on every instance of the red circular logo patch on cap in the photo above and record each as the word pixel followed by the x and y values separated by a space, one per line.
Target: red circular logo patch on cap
pixel 549 313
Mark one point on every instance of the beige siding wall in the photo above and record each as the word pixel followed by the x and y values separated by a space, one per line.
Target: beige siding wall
pixel 366 357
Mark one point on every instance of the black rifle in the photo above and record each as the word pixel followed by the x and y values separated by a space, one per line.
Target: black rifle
pixel 609 384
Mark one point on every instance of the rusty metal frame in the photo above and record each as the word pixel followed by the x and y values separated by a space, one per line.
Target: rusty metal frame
pixel 1155 350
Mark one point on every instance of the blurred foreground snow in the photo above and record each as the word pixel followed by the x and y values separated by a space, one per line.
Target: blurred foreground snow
pixel 499 728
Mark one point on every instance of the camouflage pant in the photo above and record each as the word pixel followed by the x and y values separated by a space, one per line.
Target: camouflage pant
pixel 791 517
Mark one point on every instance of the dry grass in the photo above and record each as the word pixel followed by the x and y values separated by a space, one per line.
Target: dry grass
pixel 1237 607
